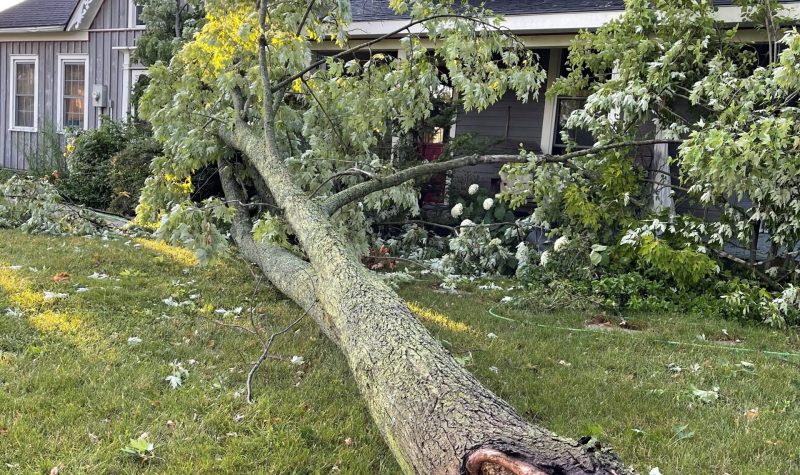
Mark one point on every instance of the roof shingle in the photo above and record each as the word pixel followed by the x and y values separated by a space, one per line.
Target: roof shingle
pixel 371 10
pixel 374 10
pixel 37 13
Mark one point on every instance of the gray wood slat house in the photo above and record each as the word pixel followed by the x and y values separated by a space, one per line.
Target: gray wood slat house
pixel 64 62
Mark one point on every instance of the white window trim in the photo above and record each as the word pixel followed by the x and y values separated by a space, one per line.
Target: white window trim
pixel 549 123
pixel 132 16
pixel 129 70
pixel 23 58
pixel 62 60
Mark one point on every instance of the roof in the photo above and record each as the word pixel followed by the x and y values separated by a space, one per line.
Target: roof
pixel 370 10
pixel 374 10
pixel 38 14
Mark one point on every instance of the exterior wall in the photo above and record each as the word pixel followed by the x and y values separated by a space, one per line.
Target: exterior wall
pixel 505 124
pixel 110 41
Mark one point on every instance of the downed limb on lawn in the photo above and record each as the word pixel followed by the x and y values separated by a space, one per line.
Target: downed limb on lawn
pixel 434 415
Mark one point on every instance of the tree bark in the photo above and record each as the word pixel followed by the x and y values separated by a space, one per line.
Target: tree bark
pixel 434 415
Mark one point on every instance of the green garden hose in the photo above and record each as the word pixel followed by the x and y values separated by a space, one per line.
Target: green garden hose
pixel 666 342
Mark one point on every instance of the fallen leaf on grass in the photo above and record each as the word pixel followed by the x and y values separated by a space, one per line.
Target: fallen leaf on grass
pixel 61 277
pixel 706 397
pixel 48 296
pixel 682 432
pixel 298 360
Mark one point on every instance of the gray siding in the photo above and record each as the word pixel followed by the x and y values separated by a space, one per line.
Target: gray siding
pixel 109 36
pixel 508 121
pixel 506 124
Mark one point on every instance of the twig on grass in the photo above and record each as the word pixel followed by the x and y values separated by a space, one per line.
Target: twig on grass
pixel 265 354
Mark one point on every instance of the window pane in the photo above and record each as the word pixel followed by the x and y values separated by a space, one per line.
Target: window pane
pixel 566 106
pixel 73 89
pixel 74 72
pixel 139 20
pixel 73 112
pixel 23 116
pixel 25 78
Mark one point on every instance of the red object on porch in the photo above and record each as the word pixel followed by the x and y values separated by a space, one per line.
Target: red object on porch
pixel 433 191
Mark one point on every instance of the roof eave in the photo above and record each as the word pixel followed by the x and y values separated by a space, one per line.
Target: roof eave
pixel 33 29
pixel 546 23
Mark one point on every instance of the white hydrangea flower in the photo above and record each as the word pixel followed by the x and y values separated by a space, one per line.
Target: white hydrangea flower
pixel 457 210
pixel 560 243
pixel 545 258
pixel 488 203
pixel 473 188
pixel 467 223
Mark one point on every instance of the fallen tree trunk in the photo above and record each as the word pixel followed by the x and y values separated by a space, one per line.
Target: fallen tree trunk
pixel 434 415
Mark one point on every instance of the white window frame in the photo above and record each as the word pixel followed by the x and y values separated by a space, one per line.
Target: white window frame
pixel 64 59
pixel 132 24
pixel 13 61
pixel 549 123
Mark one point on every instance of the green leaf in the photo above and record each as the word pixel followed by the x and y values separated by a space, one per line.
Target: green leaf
pixel 682 432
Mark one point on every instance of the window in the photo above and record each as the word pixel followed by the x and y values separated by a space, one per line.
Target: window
pixel 24 92
pixel 564 107
pixel 135 14
pixel 73 88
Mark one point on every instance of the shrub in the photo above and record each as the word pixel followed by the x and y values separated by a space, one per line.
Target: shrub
pixel 89 154
pixel 129 169
pixel 746 301
pixel 631 291
pixel 569 259
pixel 48 158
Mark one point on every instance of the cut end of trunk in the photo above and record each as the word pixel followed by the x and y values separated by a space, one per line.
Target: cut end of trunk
pixel 494 462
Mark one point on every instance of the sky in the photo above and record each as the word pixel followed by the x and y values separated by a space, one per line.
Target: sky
pixel 7 3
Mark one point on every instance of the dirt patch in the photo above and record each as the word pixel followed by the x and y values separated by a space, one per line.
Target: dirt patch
pixel 604 323
pixel 726 338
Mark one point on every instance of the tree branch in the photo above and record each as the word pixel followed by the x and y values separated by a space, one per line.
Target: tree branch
pixel 351 172
pixel 305 17
pixel 369 43
pixel 268 111
pixel 357 192
pixel 265 354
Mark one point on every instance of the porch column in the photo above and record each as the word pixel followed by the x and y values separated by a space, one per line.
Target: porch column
pixel 662 179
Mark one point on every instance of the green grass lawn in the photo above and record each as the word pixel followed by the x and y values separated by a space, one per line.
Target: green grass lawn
pixel 74 389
